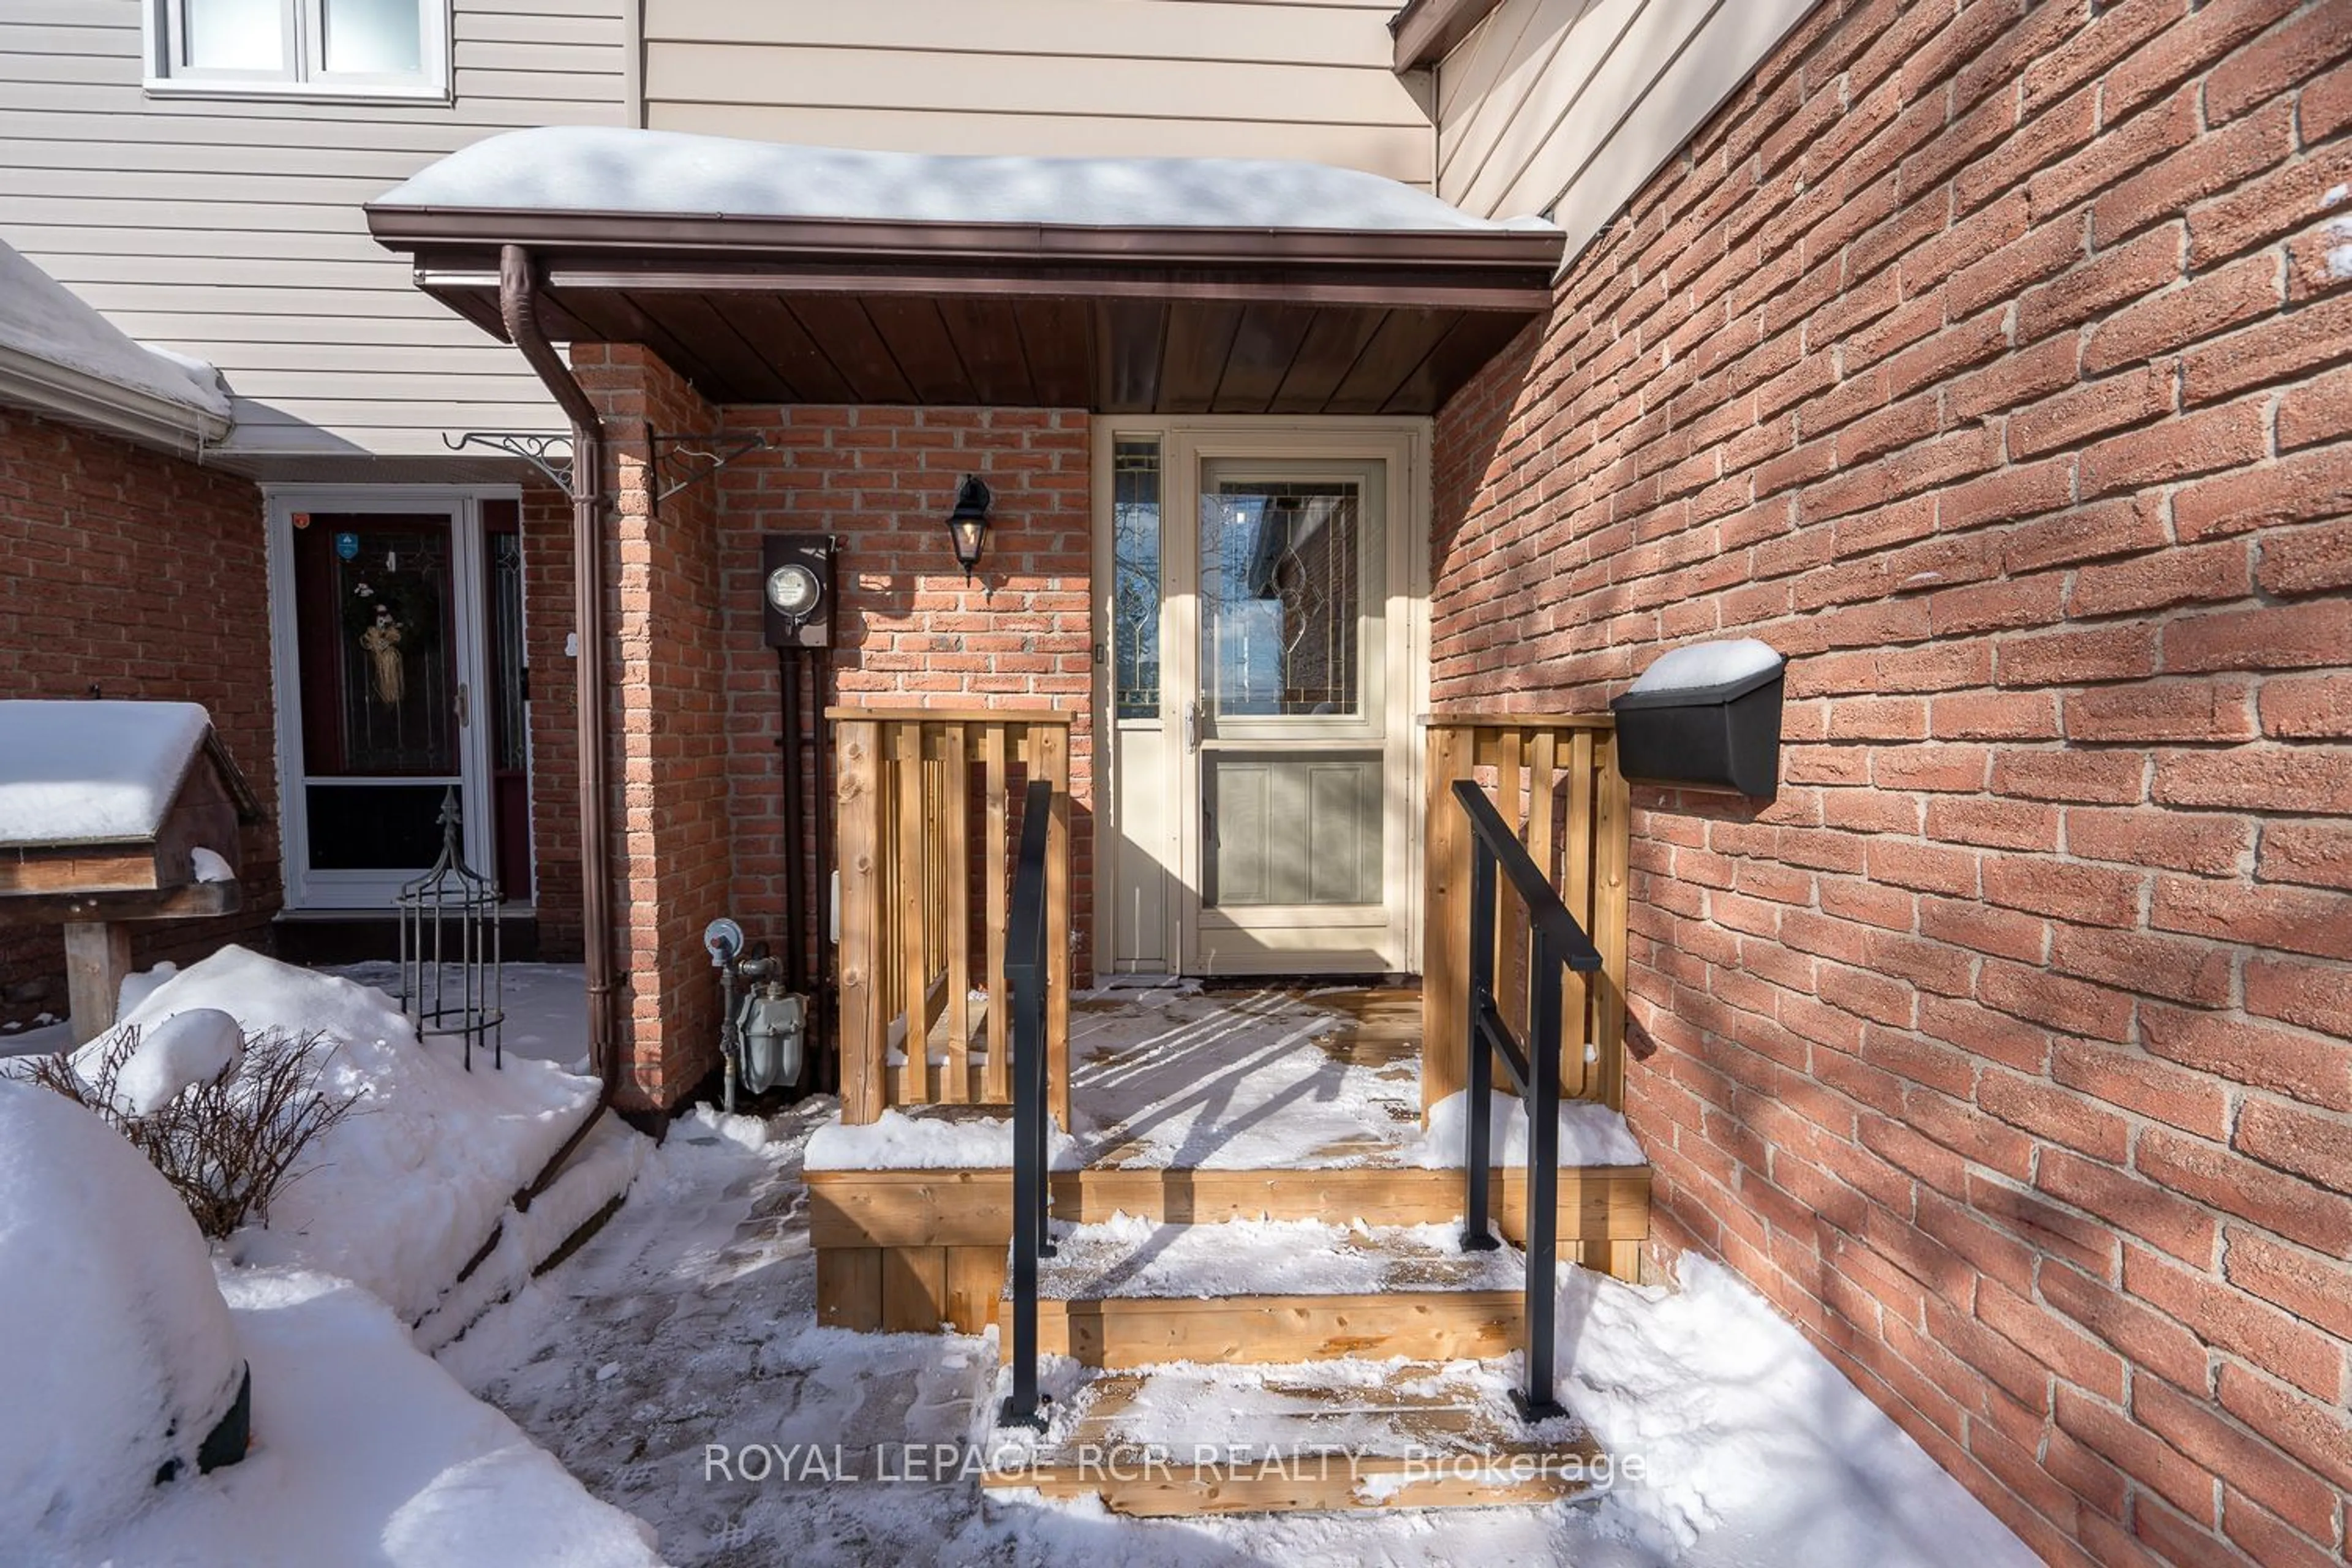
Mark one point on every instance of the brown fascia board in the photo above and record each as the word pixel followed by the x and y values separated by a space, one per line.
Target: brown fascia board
pixel 453 284
pixel 1426 31
pixel 1471 268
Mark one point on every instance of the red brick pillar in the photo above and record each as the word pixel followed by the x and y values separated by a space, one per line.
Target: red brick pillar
pixel 667 653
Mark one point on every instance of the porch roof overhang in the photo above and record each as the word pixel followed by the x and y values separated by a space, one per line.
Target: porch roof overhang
pixel 1115 317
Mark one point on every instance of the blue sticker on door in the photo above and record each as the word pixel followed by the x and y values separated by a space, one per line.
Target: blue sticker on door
pixel 347 545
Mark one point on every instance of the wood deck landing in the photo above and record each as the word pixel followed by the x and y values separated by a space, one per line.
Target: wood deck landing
pixel 1196 1106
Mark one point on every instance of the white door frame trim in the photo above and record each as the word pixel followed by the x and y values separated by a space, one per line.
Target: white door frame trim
pixel 305 890
pixel 1186 439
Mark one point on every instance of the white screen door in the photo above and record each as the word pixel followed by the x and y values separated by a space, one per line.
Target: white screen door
pixel 378 649
pixel 1270 794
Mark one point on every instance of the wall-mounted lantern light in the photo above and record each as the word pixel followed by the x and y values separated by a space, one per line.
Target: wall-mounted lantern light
pixel 967 524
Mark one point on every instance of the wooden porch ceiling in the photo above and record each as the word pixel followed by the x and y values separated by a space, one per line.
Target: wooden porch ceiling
pixel 1301 321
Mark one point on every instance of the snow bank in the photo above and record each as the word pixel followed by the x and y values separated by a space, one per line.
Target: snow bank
pixel 139 984
pixel 117 1356
pixel 87 772
pixel 173 1055
pixel 1706 664
pixel 693 1304
pixel 403 1192
pixel 42 318
pixel 365 1451
pixel 1756 1449
pixel 211 866
pixel 902 1142
pixel 603 1168
pixel 1590 1135
pixel 748 1132
pixel 584 168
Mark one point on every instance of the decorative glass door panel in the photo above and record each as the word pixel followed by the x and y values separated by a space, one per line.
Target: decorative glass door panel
pixel 1282 596
pixel 507 681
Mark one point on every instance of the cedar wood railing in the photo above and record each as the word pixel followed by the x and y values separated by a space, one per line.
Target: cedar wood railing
pixel 925 811
pixel 1554 781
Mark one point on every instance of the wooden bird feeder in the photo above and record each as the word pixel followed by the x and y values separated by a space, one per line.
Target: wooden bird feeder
pixel 113 813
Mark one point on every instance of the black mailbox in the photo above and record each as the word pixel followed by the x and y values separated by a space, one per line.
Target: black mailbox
pixel 1704 717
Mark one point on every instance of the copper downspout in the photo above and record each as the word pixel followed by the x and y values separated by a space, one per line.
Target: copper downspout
pixel 517 307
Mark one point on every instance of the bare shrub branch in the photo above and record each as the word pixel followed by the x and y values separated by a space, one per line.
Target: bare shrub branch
pixel 229 1146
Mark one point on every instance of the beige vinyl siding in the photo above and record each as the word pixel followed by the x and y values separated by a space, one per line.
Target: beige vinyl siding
pixel 1569 105
pixel 1265 79
pixel 231 228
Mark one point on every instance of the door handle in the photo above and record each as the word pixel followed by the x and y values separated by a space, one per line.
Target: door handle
pixel 1192 726
pixel 465 707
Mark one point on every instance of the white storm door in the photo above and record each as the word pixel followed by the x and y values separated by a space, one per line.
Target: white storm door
pixel 1286 675
pixel 376 604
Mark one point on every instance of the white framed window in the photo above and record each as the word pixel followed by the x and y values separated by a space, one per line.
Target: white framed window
pixel 328 49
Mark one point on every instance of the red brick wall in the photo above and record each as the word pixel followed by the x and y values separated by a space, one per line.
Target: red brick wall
pixel 1994 361
pixel 695 689
pixel 908 630
pixel 134 575
pixel 665 667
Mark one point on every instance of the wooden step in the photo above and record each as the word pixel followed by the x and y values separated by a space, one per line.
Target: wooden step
pixel 1132 1332
pixel 907 1249
pixel 954 1208
pixel 1188 1440
pixel 1130 1292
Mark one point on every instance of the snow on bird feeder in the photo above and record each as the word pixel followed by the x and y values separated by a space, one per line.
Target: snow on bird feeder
pixel 113 813
pixel 451 975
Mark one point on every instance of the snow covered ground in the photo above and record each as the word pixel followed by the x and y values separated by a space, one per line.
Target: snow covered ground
pixel 682 1338
pixel 673 1367
pixel 365 1450
pixel 37 1040
pixel 400 1194
pixel 546 1005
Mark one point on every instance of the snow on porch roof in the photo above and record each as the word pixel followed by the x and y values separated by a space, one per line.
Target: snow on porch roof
pixel 43 320
pixel 769 274
pixel 605 169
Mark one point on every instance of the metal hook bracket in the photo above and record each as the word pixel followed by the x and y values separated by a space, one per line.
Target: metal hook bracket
pixel 550 453
pixel 681 461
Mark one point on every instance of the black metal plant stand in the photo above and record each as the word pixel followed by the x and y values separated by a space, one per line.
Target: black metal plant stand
pixel 452 969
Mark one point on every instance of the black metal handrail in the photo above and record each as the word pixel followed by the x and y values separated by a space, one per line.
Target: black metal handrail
pixel 1026 978
pixel 1559 945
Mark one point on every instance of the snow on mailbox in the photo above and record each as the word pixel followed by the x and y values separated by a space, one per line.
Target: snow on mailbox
pixel 113 811
pixel 1704 717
